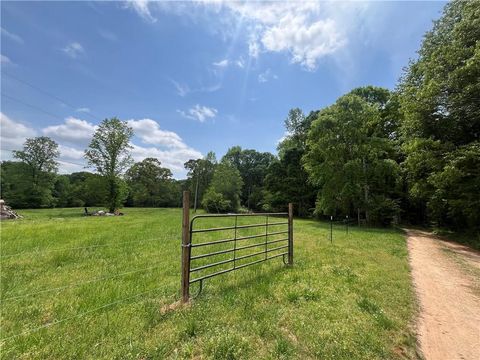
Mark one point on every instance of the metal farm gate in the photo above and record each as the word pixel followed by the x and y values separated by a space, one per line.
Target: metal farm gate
pixel 282 223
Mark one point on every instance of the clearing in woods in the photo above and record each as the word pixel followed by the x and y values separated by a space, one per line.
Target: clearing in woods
pixel 91 287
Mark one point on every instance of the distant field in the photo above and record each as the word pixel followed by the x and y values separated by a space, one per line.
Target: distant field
pixel 90 287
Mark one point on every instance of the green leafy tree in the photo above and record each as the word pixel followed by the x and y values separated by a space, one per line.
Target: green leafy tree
pixel 351 158
pixel 223 194
pixel 200 173
pixel 39 155
pixel 109 153
pixel 151 184
pixel 252 166
pixel 286 179
pixel 439 96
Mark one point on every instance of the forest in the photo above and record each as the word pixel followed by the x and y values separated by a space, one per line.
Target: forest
pixel 379 156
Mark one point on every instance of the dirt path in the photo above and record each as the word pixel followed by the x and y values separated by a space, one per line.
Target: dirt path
pixel 449 323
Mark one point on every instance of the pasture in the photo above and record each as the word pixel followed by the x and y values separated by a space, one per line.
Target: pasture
pixel 101 288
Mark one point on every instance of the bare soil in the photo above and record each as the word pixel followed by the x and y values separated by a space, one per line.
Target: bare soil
pixel 449 323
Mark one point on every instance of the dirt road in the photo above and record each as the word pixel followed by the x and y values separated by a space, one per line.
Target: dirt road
pixel 446 281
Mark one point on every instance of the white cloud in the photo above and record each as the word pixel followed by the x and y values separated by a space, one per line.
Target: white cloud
pixel 149 132
pixel 167 146
pixel 266 76
pixel 222 63
pixel 199 113
pixel 83 109
pixel 305 30
pixel 11 36
pixel 182 89
pixel 74 50
pixel 13 134
pixel 301 29
pixel 141 7
pixel 75 131
pixel 4 60
pixel 171 158
pixel 240 63
pixel 74 135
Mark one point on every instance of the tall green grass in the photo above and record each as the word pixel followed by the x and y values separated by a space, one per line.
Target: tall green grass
pixel 99 288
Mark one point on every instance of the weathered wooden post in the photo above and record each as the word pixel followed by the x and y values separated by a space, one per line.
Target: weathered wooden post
pixel 290 234
pixel 186 247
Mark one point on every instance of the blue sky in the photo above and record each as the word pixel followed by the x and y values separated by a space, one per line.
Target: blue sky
pixel 192 77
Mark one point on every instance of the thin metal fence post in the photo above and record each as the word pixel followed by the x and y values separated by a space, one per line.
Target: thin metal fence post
pixel 331 229
pixel 347 224
pixel 290 234
pixel 266 236
pixel 186 248
pixel 235 244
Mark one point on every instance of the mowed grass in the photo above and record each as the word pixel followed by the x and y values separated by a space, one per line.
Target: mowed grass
pixel 100 288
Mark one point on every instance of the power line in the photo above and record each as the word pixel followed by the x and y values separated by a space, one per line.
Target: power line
pixel 32 106
pixel 49 94
pixel 62 161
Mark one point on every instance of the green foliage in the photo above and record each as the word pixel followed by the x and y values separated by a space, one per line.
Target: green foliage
pixel 30 183
pixel 223 195
pixel 200 173
pixel 441 128
pixel 109 153
pixel 151 184
pixel 252 166
pixel 287 180
pixel 18 189
pixel 351 157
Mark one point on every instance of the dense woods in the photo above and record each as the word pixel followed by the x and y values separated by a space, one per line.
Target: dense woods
pixel 379 156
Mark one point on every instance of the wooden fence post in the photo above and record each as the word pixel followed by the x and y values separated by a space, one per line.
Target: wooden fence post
pixel 186 247
pixel 290 234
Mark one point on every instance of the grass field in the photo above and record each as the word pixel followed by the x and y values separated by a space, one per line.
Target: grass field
pixel 99 288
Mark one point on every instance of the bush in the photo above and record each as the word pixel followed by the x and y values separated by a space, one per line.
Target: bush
pixel 215 202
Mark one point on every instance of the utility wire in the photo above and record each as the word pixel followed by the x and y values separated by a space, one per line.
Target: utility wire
pixel 79 315
pixel 49 94
pixel 32 106
pixel 62 161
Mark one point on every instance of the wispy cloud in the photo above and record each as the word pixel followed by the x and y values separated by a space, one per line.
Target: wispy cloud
pixel 266 76
pixel 306 31
pixel 74 50
pixel 182 89
pixel 108 35
pixel 141 7
pixel 199 113
pixel 5 60
pixel 83 110
pixel 11 36
pixel 222 63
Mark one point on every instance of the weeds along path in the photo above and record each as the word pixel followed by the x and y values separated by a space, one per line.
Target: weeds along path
pixel 446 282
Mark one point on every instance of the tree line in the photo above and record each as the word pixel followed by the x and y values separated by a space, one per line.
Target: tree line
pixel 379 156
